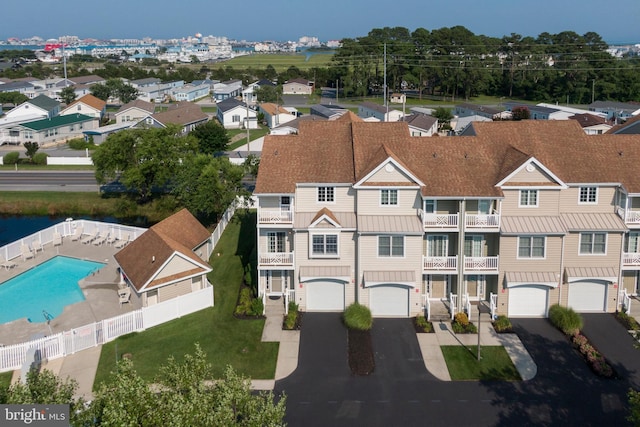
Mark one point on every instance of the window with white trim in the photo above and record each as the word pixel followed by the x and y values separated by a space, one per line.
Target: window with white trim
pixel 588 195
pixel 326 194
pixel 391 246
pixel 275 242
pixel 324 245
pixel 430 206
pixel 593 243
pixel 529 198
pixel 531 246
pixel 389 197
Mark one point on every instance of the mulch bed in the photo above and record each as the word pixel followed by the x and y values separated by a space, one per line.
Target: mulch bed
pixel 361 359
pixel 420 330
pixel 297 325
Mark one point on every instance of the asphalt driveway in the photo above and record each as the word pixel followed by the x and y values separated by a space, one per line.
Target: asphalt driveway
pixel 400 392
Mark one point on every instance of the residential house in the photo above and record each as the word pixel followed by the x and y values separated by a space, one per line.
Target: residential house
pixel 249 95
pixel 422 124
pixel 41 106
pixel 88 105
pixel 145 83
pixel 537 112
pixel 591 124
pixel 100 135
pixel 298 87
pixel 292 127
pixel 234 114
pixel 615 110
pixel 226 90
pixel 160 92
pixel 630 127
pixel 22 87
pixel 55 129
pixel 376 112
pixel 327 111
pixel 460 124
pixel 275 114
pixel 468 110
pixel 398 98
pixel 134 111
pixel 168 260
pixel 186 114
pixel 517 215
pixel 190 92
pixel 87 80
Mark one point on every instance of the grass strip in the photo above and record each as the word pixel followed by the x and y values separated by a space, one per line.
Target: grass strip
pixel 495 363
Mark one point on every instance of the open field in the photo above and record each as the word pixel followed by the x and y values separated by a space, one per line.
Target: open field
pixel 281 62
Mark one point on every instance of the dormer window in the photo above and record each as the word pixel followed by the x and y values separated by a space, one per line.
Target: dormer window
pixel 588 195
pixel 326 194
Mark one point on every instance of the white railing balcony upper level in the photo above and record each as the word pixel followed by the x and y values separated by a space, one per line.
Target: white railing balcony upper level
pixel 483 221
pixel 440 263
pixel 439 221
pixel 630 259
pixel 628 216
pixel 481 263
pixel 275 216
pixel 276 259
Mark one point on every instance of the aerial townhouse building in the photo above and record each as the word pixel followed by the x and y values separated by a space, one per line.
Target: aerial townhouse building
pixel 518 215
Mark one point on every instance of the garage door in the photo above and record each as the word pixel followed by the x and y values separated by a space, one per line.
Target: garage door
pixel 389 301
pixel 588 295
pixel 325 295
pixel 528 301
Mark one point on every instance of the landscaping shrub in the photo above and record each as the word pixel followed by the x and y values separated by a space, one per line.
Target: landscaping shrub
pixel 257 307
pixel 630 323
pixel 11 158
pixel 461 324
pixel 247 305
pixel 565 319
pixel 291 319
pixel 502 324
pixel 40 158
pixel 358 317
pixel 422 324
pixel 80 144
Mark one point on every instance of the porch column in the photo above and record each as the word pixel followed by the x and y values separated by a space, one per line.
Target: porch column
pixel 461 235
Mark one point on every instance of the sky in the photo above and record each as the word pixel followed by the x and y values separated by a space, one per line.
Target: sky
pixel 282 20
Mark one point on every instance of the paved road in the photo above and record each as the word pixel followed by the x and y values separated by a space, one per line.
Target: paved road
pixel 400 392
pixel 82 181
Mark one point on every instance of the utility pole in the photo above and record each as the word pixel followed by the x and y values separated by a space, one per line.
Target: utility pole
pixel 384 86
pixel 247 122
pixel 593 90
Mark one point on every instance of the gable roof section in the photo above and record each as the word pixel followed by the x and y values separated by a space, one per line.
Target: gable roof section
pixel 146 256
pixel 272 109
pixel 138 103
pixel 420 121
pixel 325 214
pixel 184 114
pixel 91 101
pixel 230 104
pixel 44 102
pixel 629 127
pixel 531 165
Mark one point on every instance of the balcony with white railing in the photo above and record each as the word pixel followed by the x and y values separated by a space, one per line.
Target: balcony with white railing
pixel 630 261
pixel 630 217
pixel 443 264
pixel 439 222
pixel 276 259
pixel 482 221
pixel 275 216
pixel 484 264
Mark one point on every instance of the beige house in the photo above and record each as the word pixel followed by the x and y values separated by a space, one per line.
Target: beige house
pixel 297 87
pixel 168 260
pixel 88 105
pixel 134 111
pixel 517 215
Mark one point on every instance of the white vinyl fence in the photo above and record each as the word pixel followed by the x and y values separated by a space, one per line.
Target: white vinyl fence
pixel 13 357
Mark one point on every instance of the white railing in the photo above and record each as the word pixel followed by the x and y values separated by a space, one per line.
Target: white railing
pixel 453 304
pixel 276 258
pixel 467 304
pixel 626 302
pixel 271 216
pixel 631 259
pixel 493 304
pixel 427 305
pixel 629 217
pixel 482 221
pixel 434 220
pixel 480 263
pixel 68 228
pixel 68 342
pixel 440 262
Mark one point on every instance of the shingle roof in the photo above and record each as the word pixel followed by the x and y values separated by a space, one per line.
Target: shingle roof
pixel 57 121
pixel 630 127
pixel 80 80
pixel 421 121
pixel 91 101
pixel 183 114
pixel 467 166
pixel 44 102
pixel 142 258
pixel 229 104
pixel 587 120
pixel 138 103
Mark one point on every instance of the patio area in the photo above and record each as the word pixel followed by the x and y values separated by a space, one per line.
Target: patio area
pixel 100 291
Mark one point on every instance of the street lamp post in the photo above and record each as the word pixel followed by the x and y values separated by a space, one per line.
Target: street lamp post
pixel 479 319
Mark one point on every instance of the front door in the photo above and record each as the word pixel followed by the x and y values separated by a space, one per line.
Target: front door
pixel 276 242
pixel 475 287
pixel 277 282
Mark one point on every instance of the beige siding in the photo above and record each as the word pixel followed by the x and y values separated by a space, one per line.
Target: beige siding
pixel 306 200
pixel 346 249
pixel 390 173
pixel 509 260
pixel 369 203
pixel 370 261
pixel 269 202
pixel 537 175
pixel 572 258
pixel 174 290
pixel 263 240
pixel 547 204
pixel 629 281
pixel 606 201
pixel 174 266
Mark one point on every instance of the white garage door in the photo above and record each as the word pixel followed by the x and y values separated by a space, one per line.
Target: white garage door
pixel 325 295
pixel 528 301
pixel 588 295
pixel 389 300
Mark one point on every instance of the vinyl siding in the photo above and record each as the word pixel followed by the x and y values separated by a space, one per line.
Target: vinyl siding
pixel 548 202
pixel 606 201
pixel 306 200
pixel 509 260
pixel 346 249
pixel 174 266
pixel 369 259
pixel 174 290
pixel 369 203
pixel 572 258
pixel 536 176
pixel 393 175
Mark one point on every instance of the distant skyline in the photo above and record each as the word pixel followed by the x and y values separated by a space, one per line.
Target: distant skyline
pixel 282 20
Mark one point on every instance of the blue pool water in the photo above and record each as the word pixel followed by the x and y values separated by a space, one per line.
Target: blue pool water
pixel 49 286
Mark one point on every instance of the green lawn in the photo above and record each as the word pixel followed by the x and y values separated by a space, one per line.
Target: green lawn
pixel 225 339
pixel 239 136
pixel 280 62
pixel 495 363
pixel 5 380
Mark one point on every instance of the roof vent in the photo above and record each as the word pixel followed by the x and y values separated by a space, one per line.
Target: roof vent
pixel 435 155
pixel 153 259
pixel 621 153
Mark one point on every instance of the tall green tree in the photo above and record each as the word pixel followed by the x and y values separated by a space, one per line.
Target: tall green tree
pixel 268 93
pixel 14 98
pixel 212 137
pixel 68 94
pixel 32 149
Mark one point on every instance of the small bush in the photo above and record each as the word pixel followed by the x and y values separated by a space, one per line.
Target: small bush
pixel 358 317
pixel 630 323
pixel 11 158
pixel 247 305
pixel 565 319
pixel 461 324
pixel 462 319
pixel 40 158
pixel 502 324
pixel 291 318
pixel 257 307
pixel 80 144
pixel 423 324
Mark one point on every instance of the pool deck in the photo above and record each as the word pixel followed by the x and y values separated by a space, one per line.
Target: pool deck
pixel 100 292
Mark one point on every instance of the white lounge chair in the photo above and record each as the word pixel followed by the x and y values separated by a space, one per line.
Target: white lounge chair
pixel 100 240
pixel 124 295
pixel 26 252
pixel 57 239
pixel 90 237
pixel 7 264
pixel 112 238
pixel 77 235
pixel 37 246
pixel 121 243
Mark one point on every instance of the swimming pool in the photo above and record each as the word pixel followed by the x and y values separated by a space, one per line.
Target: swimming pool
pixel 48 287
